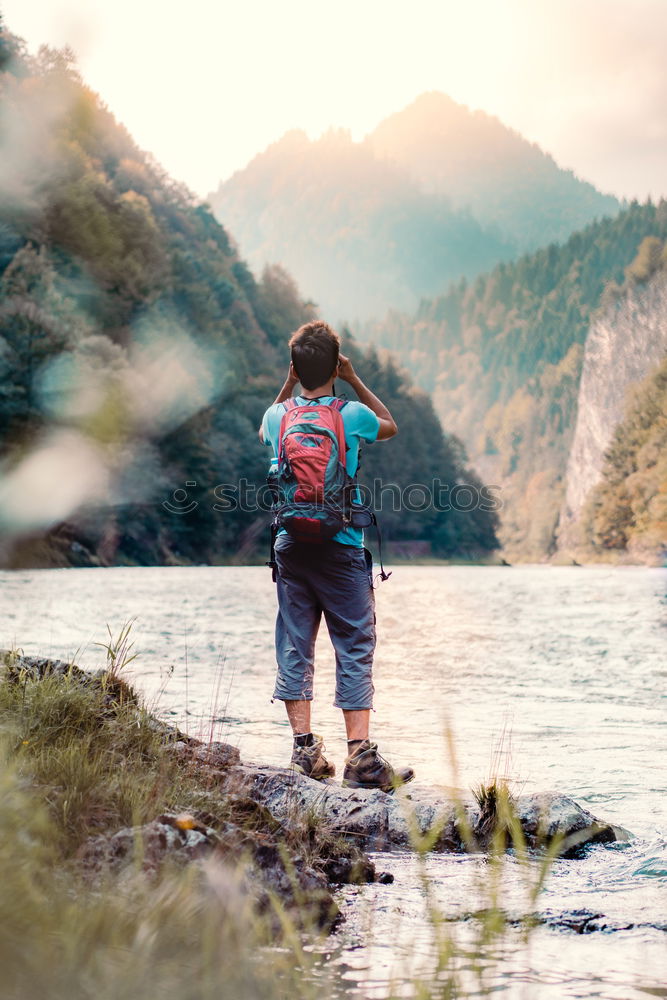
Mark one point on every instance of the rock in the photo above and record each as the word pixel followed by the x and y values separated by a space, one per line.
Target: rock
pixel 345 869
pixel 579 921
pixel 217 755
pixel 588 922
pixel 544 817
pixel 414 816
pixel 295 862
pixel 302 889
pixel 289 806
pixel 114 689
pixel 181 837
pixel 171 734
pixel 627 339
pixel 37 667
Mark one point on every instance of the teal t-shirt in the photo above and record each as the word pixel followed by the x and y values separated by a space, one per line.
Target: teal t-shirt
pixel 360 424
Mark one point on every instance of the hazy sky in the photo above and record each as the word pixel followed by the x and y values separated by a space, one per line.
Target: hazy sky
pixel 207 84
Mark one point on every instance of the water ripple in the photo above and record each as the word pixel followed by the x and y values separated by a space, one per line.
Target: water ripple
pixel 552 676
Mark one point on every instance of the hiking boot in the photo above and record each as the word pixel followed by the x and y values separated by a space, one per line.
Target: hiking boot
pixel 311 761
pixel 367 769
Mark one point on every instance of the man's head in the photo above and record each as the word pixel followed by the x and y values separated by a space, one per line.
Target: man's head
pixel 315 348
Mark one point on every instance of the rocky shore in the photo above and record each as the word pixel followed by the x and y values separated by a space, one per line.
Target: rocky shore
pixel 292 838
pixel 416 816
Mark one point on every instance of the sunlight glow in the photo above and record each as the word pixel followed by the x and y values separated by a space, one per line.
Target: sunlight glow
pixel 208 88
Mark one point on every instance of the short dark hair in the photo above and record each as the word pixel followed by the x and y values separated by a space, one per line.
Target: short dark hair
pixel 315 350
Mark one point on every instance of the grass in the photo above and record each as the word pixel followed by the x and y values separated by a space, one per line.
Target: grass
pixel 100 765
pixel 180 935
pixel 81 757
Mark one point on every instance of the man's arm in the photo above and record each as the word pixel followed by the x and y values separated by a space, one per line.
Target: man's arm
pixel 285 392
pixel 387 423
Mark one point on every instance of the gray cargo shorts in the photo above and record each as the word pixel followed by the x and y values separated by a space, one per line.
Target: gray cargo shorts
pixel 337 581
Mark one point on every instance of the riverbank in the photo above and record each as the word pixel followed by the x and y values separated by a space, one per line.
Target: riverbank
pixel 60 550
pixel 127 868
pixel 546 658
pixel 126 841
pixel 115 776
pixel 54 712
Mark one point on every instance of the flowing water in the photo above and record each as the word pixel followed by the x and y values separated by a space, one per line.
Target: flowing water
pixel 554 677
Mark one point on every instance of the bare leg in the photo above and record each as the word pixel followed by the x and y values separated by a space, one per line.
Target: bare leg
pixel 298 713
pixel 357 723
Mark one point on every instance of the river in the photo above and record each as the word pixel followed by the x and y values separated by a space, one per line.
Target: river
pixel 554 677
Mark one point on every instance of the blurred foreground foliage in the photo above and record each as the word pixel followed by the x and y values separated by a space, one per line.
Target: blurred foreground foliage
pixel 82 758
pixel 128 317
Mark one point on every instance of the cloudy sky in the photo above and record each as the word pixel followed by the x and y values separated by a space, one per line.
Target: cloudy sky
pixel 206 84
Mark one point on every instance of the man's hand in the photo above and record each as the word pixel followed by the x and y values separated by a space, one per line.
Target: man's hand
pixel 288 385
pixel 345 369
pixel 292 377
pixel 387 427
pixel 285 393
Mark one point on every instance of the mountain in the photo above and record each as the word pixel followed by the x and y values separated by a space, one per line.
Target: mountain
pixel 479 163
pixel 502 357
pixel 435 193
pixel 355 230
pixel 138 353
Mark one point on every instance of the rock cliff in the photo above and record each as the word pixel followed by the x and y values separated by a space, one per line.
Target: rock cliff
pixel 626 340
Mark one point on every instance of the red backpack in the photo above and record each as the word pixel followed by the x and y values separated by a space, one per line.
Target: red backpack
pixel 312 491
pixel 313 495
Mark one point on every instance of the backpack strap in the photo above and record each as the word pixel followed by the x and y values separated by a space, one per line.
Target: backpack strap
pixel 338 401
pixel 272 552
pixel 383 573
pixel 342 443
pixel 287 404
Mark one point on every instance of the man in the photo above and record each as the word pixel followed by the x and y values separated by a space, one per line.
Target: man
pixel 333 578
